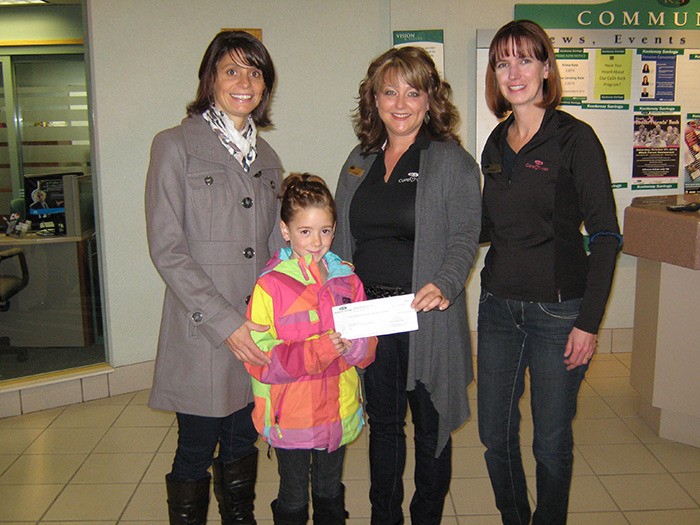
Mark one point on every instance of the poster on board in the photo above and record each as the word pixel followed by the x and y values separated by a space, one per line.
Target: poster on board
pixel 691 153
pixel 432 40
pixel 656 148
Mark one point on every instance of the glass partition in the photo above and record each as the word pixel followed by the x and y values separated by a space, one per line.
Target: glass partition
pixel 5 174
pixel 52 321
pixel 52 107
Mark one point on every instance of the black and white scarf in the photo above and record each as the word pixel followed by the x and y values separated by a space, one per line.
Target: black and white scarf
pixel 240 144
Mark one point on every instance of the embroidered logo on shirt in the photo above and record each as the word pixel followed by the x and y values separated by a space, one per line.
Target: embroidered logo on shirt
pixel 537 165
pixel 412 177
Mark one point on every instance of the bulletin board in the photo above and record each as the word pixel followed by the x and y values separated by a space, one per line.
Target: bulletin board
pixel 629 68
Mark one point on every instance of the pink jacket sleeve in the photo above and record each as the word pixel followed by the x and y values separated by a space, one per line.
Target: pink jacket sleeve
pixel 290 360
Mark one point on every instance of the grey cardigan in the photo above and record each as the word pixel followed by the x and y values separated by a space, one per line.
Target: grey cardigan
pixel 211 228
pixel 448 221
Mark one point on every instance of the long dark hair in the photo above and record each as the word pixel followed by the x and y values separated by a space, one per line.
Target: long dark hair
pixel 242 45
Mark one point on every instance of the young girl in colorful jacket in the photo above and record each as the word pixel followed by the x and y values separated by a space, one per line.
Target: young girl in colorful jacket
pixel 308 402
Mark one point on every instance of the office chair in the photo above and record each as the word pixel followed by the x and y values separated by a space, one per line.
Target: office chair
pixel 10 285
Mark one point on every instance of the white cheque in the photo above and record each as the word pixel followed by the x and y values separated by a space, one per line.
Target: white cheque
pixel 389 315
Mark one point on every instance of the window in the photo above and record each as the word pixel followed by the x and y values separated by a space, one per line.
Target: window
pixel 54 323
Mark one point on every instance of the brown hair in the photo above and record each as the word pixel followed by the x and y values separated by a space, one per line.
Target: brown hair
pixel 304 190
pixel 527 39
pixel 416 67
pixel 239 45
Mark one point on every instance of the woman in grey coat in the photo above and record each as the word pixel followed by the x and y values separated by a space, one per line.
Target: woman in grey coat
pixel 211 214
pixel 409 215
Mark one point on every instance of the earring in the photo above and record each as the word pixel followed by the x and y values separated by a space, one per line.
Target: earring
pixel 426 119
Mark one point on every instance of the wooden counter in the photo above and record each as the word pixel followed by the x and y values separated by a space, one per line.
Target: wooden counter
pixel 665 348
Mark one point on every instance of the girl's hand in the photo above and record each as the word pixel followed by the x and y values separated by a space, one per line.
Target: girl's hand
pixel 341 345
pixel 428 298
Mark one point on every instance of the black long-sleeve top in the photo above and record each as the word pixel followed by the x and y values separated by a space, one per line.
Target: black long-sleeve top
pixel 533 207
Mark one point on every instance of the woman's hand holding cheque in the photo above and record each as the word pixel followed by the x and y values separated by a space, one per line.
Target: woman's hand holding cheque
pixel 428 298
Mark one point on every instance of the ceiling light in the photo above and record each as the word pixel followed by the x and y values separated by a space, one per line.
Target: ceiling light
pixel 21 2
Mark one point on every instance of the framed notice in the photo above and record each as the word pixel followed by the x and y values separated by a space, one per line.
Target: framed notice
pixel 255 31
pixel 432 40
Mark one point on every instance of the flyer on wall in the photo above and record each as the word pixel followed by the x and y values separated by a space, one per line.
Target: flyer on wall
pixel 613 74
pixel 432 40
pixel 691 154
pixel 656 151
pixel 658 76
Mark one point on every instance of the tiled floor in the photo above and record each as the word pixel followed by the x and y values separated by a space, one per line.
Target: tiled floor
pixel 104 462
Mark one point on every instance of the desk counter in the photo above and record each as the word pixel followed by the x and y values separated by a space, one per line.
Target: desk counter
pixel 665 351
pixel 57 307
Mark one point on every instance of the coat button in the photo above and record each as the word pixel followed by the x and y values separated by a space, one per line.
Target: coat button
pixel 247 299
pixel 258 175
pixel 249 253
pixel 208 181
pixel 247 202
pixel 197 317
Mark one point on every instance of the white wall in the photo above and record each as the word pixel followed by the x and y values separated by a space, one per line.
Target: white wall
pixel 144 57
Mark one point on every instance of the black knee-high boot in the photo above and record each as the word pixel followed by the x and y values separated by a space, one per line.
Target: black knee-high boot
pixel 282 516
pixel 234 487
pixel 188 501
pixel 330 511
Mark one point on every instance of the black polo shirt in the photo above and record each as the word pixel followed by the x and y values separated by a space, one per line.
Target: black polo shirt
pixel 383 220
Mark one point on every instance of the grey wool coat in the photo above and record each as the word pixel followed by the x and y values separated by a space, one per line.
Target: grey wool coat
pixel 448 221
pixel 211 229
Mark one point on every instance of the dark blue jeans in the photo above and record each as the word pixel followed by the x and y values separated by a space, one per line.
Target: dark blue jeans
pixel 514 336
pixel 198 436
pixel 387 400
pixel 294 467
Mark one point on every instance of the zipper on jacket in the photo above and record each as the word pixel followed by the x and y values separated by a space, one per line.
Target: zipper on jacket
pixel 278 429
pixel 325 396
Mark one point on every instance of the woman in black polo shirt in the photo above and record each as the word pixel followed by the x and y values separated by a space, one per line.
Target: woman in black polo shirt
pixel 408 217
